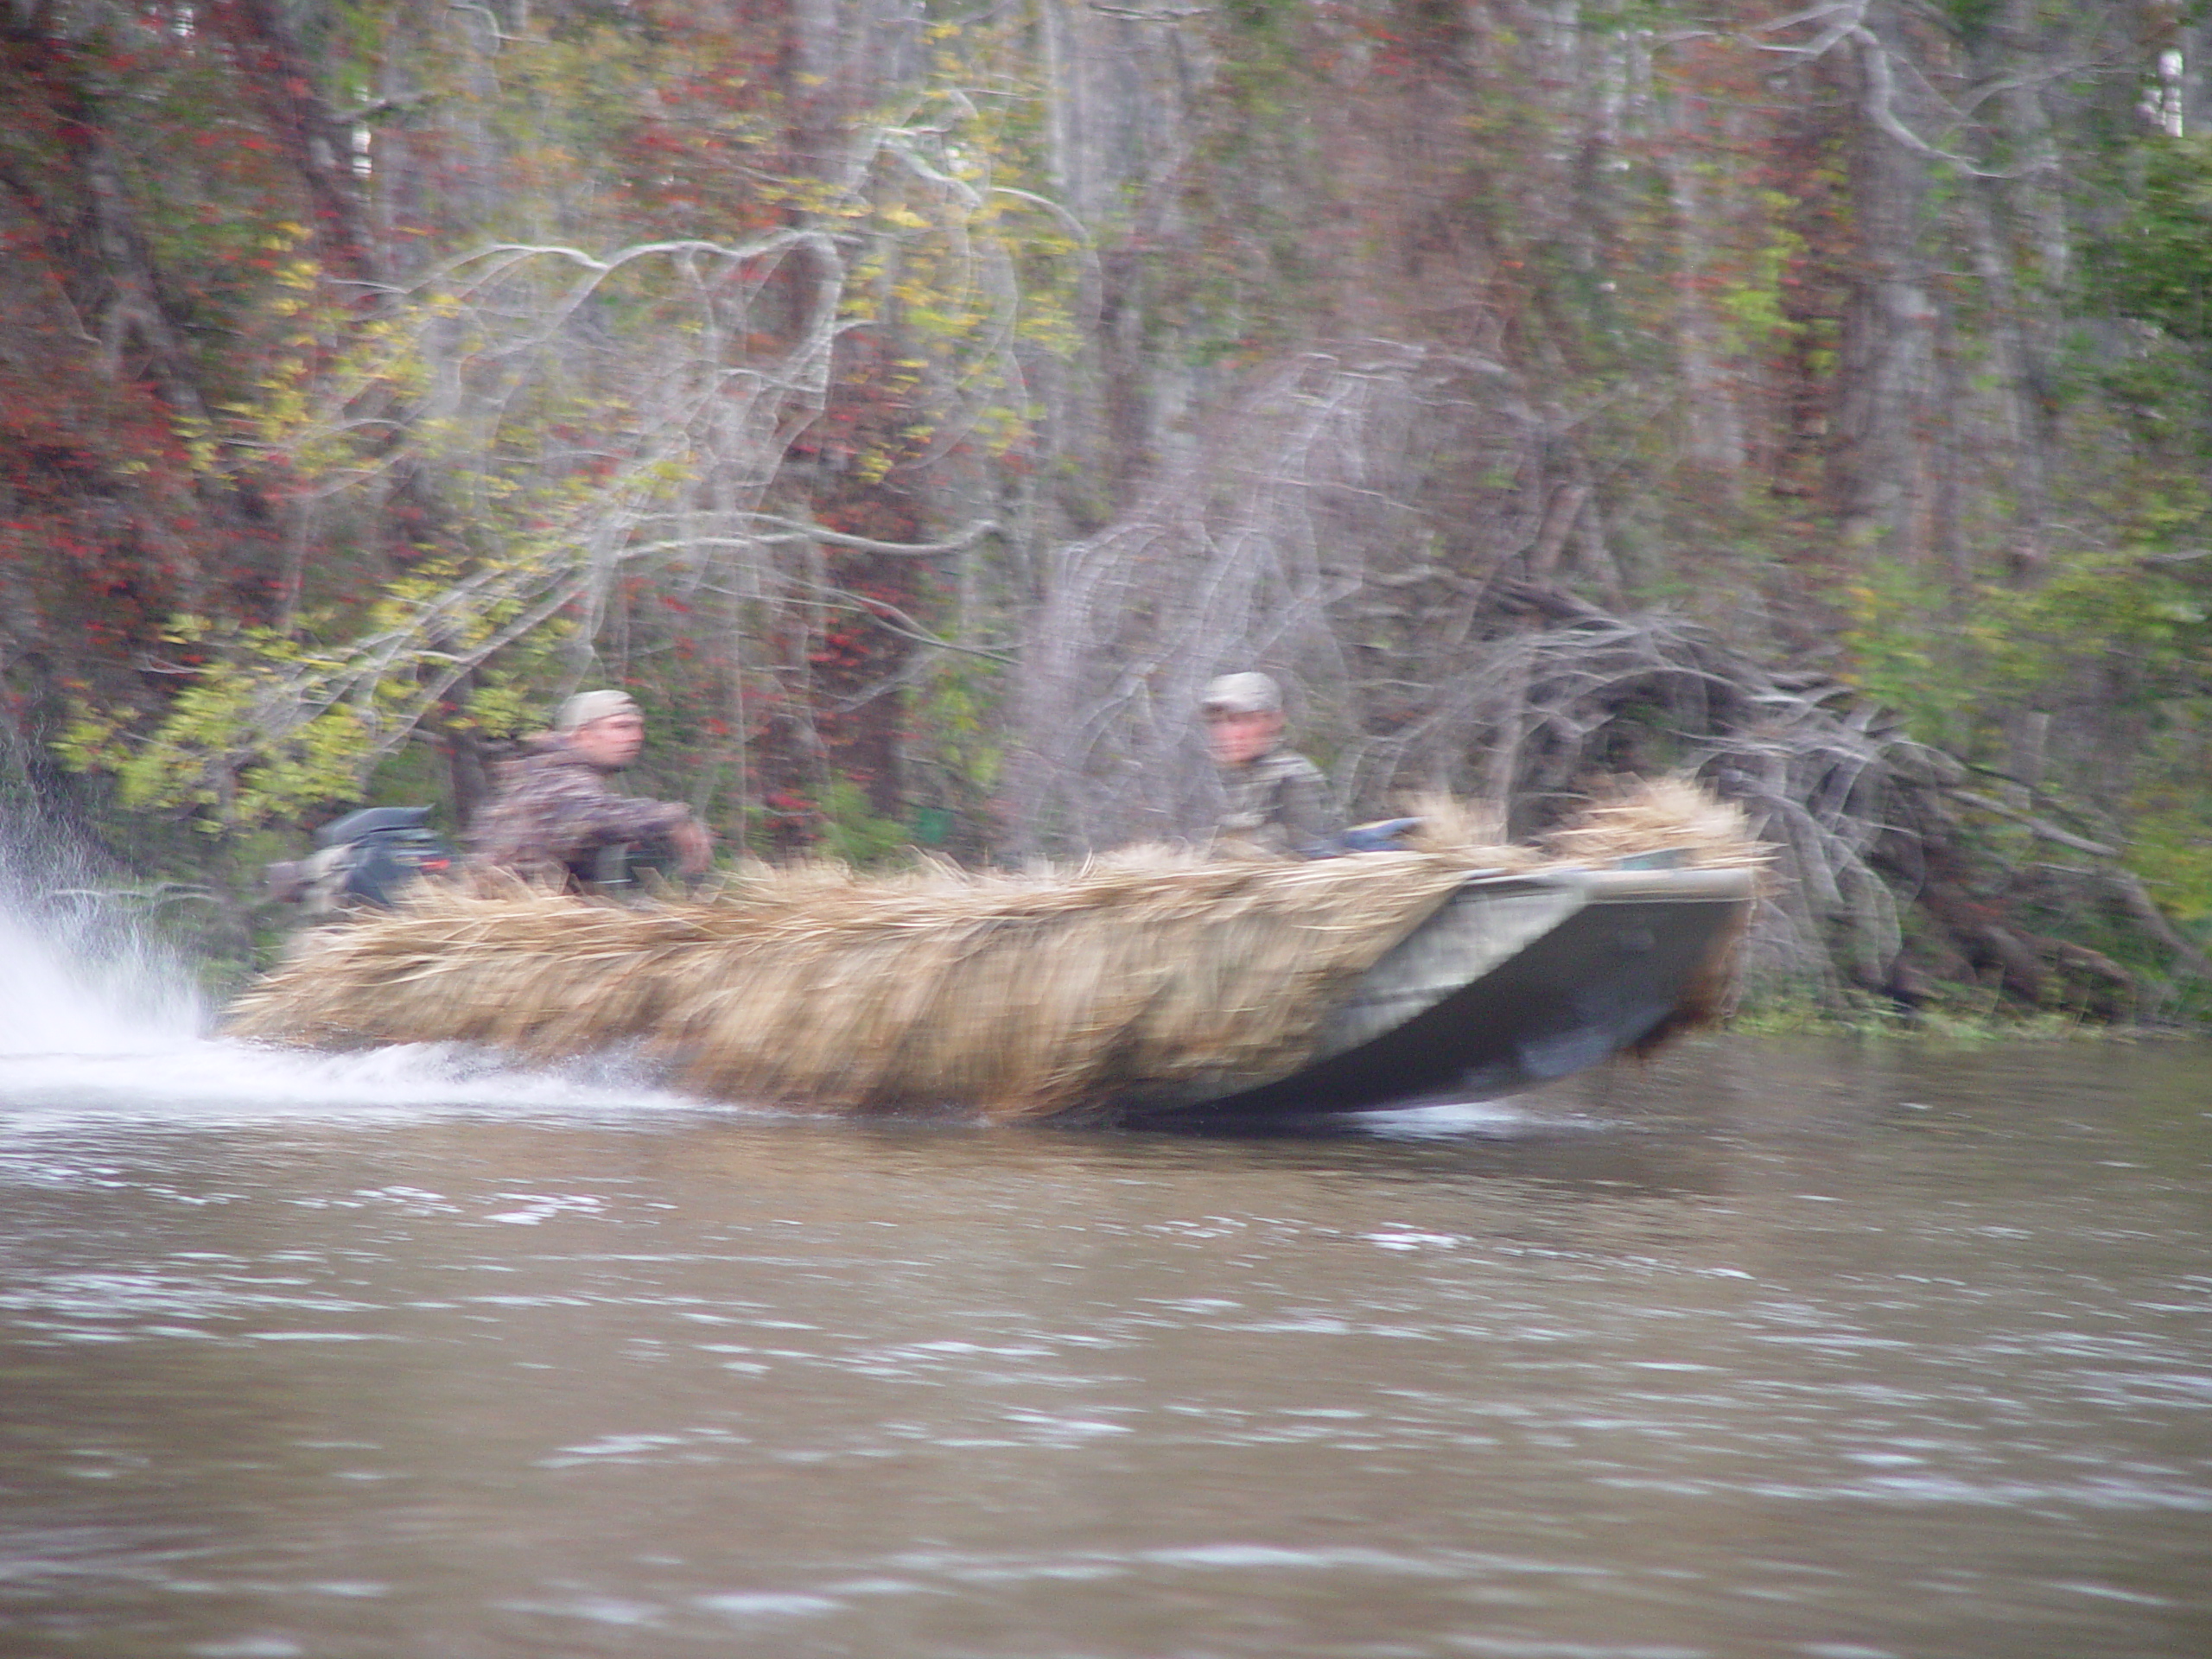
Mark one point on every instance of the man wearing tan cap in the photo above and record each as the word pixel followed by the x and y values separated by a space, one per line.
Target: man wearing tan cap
pixel 555 816
pixel 1277 801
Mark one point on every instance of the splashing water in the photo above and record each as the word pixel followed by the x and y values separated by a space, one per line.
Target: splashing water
pixel 98 1022
pixel 60 995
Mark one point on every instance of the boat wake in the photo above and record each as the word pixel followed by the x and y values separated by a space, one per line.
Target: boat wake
pixel 1451 1120
pixel 102 1026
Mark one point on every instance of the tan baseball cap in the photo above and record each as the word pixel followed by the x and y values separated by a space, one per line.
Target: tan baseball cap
pixel 588 706
pixel 1244 694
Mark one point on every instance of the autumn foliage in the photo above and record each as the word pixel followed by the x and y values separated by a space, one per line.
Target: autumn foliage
pixel 914 409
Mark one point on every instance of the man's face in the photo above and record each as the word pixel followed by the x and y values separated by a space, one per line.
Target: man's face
pixel 611 741
pixel 1238 739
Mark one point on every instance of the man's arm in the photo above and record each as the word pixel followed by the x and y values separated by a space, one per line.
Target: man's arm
pixel 588 816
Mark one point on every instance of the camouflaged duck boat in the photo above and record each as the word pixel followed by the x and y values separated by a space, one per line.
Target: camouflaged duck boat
pixel 1152 986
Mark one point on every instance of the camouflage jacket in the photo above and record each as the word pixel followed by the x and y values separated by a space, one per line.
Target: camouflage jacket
pixel 1279 803
pixel 554 813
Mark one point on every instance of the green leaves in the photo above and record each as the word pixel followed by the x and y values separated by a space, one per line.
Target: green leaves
pixel 228 749
pixel 1935 655
pixel 2157 261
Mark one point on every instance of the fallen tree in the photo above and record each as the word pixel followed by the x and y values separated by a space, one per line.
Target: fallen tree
pixel 1891 881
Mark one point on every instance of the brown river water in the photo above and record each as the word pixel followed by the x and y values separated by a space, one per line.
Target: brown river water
pixel 1769 1348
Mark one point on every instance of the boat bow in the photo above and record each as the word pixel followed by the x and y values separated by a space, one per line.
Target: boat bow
pixel 1514 980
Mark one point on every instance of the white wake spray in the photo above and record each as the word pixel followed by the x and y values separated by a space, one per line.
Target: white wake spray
pixel 98 1022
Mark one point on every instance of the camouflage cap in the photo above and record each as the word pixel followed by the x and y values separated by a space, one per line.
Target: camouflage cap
pixel 588 706
pixel 1244 694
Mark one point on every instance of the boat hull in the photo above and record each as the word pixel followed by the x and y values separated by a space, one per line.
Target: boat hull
pixel 1515 981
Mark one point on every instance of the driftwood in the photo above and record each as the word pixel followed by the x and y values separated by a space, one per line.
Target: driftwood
pixel 1014 996
pixel 1866 822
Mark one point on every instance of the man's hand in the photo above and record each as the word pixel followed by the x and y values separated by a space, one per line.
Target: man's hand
pixel 695 846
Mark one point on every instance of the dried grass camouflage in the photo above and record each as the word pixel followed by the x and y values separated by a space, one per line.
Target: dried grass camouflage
pixel 1011 996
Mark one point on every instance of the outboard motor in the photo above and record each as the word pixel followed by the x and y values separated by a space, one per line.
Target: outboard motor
pixel 367 857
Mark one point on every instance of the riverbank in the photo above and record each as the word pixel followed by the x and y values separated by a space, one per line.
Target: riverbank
pixel 1956 1015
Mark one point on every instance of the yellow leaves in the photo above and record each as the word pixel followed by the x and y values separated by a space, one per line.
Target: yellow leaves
pixel 269 725
pixel 500 707
pixel 1049 325
pixel 198 438
pixel 90 737
pixel 1001 427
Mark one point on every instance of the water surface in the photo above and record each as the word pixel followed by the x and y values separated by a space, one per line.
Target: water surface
pixel 1771 1348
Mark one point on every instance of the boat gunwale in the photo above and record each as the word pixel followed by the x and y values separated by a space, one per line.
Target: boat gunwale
pixel 1731 884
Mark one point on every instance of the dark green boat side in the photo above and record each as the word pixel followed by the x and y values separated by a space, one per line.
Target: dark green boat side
pixel 1515 980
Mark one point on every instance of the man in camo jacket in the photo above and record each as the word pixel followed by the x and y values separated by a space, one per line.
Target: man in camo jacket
pixel 554 814
pixel 1278 800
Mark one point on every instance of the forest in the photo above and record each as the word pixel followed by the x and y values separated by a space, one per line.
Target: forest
pixel 913 403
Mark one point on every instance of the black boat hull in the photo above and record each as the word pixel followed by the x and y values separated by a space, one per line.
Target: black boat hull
pixel 1630 957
